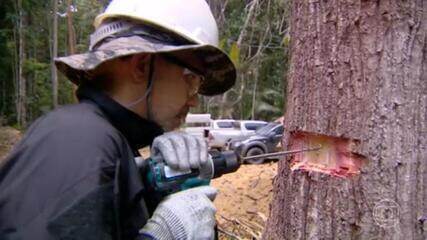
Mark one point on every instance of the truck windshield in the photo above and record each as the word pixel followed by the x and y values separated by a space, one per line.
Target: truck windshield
pixel 254 126
pixel 197 124
pixel 266 129
pixel 228 124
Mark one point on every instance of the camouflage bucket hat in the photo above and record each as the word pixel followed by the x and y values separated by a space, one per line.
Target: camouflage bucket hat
pixel 219 71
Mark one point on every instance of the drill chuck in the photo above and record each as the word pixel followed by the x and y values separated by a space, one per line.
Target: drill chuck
pixel 224 162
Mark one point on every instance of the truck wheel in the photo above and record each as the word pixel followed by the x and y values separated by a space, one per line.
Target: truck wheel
pixel 253 152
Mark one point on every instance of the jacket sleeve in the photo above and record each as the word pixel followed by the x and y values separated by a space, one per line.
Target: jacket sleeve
pixel 59 184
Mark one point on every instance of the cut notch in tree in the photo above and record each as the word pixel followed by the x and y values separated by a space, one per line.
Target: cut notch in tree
pixel 336 156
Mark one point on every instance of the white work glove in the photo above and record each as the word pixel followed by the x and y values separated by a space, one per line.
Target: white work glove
pixel 181 151
pixel 188 215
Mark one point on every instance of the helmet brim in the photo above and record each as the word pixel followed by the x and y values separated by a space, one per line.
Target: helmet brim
pixel 219 70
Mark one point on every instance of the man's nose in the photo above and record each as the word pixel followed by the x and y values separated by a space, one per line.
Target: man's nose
pixel 193 101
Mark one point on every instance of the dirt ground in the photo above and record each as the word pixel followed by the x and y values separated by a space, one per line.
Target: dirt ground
pixel 8 137
pixel 243 198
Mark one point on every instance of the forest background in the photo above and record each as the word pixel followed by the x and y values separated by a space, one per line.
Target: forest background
pixel 255 33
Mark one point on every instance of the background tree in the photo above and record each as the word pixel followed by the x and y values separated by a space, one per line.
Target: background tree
pixel 38 94
pixel 54 54
pixel 70 28
pixel 21 104
pixel 253 32
pixel 358 70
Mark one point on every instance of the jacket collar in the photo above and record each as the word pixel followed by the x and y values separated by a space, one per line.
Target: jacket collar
pixel 138 131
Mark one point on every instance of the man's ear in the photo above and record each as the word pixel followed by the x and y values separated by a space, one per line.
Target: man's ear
pixel 140 64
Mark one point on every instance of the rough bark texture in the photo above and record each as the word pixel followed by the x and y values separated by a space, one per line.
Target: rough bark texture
pixel 70 28
pixel 358 70
pixel 71 37
pixel 22 83
pixel 54 54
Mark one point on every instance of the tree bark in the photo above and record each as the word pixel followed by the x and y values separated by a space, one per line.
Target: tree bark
pixel 70 27
pixel 54 54
pixel 71 37
pixel 15 62
pixel 254 92
pixel 22 88
pixel 358 70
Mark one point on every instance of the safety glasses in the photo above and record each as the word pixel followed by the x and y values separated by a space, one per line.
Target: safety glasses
pixel 193 82
pixel 191 75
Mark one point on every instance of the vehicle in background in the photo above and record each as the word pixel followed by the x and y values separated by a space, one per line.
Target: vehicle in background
pixel 198 124
pixel 248 127
pixel 265 140
pixel 218 138
pixel 222 124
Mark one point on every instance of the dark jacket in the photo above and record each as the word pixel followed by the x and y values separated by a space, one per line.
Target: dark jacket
pixel 73 175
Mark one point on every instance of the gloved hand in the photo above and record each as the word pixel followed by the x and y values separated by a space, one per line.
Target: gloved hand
pixel 189 214
pixel 181 151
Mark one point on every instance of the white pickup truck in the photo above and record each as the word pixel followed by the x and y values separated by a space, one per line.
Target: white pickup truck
pixel 219 137
pixel 198 124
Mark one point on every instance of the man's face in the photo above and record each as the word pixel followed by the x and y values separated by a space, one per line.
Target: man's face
pixel 174 92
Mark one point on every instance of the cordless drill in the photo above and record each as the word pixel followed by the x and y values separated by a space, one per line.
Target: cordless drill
pixel 165 180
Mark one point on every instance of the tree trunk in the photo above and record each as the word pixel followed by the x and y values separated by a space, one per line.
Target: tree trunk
pixel 71 36
pixel 358 70
pixel 225 108
pixel 218 9
pixel 254 92
pixel 22 88
pixel 255 70
pixel 70 27
pixel 3 101
pixel 54 54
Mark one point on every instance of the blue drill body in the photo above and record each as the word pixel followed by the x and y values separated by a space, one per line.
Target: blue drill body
pixel 164 180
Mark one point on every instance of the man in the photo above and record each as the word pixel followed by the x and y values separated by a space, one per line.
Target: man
pixel 74 175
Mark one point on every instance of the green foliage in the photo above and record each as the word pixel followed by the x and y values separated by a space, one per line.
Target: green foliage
pixel 37 32
pixel 40 101
pixel 261 58
pixel 7 48
pixel 222 43
pixel 286 40
pixel 16 126
pixel 235 54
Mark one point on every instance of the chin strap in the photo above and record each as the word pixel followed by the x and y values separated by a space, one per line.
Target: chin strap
pixel 147 95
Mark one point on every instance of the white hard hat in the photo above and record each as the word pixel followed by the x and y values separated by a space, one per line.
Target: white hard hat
pixel 169 27
pixel 191 19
